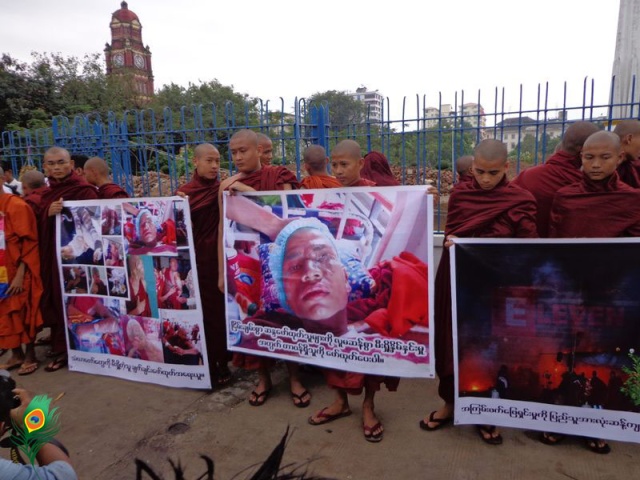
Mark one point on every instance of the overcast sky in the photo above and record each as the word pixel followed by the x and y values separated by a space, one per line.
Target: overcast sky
pixel 289 49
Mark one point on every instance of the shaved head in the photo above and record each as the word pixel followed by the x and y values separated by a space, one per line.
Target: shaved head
pixel 32 179
pixel 267 149
pixel 347 148
pixel 248 135
pixel 263 139
pixel 203 149
pixel 58 151
pixel 98 165
pixel 603 137
pixel 463 164
pixel 315 158
pixel 627 127
pixel 575 136
pixel 491 150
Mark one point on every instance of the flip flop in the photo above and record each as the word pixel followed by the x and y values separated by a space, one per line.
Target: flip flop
pixel 259 399
pixel 549 438
pixel 301 403
pixel 440 422
pixel 57 364
pixel 484 430
pixel 10 366
pixel 369 436
pixel 326 417
pixel 592 444
pixel 28 368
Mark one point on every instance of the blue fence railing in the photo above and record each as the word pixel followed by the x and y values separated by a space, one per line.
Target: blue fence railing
pixel 149 151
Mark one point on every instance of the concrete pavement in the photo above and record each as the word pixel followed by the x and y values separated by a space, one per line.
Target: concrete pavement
pixel 107 423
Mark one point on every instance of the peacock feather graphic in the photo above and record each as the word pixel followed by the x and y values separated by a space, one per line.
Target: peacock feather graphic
pixel 38 427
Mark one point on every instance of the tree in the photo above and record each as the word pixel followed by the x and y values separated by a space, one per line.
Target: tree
pixel 527 153
pixel 343 108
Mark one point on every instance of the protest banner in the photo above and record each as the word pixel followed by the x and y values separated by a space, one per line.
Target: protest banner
pixel 130 291
pixel 336 278
pixel 545 334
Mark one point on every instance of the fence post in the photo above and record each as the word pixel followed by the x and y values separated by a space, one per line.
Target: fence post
pixel 319 115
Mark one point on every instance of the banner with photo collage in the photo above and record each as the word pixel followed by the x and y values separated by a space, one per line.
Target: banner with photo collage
pixel 335 278
pixel 130 291
pixel 546 335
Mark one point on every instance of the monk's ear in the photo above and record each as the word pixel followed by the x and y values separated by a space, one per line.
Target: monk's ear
pixel 621 157
pixel 361 163
pixel 626 140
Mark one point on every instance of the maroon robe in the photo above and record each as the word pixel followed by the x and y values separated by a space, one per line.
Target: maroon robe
pixel 377 169
pixel 34 199
pixel 363 182
pixel 269 177
pixel 629 171
pixel 506 211
pixel 111 190
pixel 543 181
pixel 205 217
pixel 73 187
pixel 601 209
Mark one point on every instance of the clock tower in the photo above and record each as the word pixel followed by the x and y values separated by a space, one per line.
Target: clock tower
pixel 126 55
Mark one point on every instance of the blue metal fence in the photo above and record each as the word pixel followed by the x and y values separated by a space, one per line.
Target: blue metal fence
pixel 148 151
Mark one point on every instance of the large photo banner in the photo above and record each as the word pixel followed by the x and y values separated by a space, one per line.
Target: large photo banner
pixel 546 335
pixel 336 278
pixel 130 291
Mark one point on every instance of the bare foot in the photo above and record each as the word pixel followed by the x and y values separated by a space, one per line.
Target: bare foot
pixel 443 413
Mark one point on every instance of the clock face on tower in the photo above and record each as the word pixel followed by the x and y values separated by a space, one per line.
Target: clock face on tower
pixel 118 60
pixel 138 60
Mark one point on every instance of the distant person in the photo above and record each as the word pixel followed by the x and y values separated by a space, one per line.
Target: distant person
pixel 65 184
pixel 347 164
pixel 96 172
pixel 377 169
pixel 599 206
pixel 9 179
pixel 315 162
pixel 463 168
pixel 266 156
pixel 561 169
pixel 629 169
pixel 33 186
pixel 78 163
pixel 487 207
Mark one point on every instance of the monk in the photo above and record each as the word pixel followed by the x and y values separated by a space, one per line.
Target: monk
pixel 202 193
pixel 20 317
pixel 78 163
pixel 33 186
pixel 377 169
pixel 489 206
pixel 346 163
pixel 463 168
pixel 252 176
pixel 561 169
pixel 600 205
pixel 315 163
pixel 96 172
pixel 629 169
pixel 64 184
pixel 267 149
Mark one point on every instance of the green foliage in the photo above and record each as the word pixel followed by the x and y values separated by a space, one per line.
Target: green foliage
pixel 343 108
pixel 528 149
pixel 631 387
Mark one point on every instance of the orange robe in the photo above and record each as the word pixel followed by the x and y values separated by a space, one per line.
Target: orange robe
pixel 320 181
pixel 20 317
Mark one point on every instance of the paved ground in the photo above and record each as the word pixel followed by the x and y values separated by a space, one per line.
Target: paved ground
pixel 107 423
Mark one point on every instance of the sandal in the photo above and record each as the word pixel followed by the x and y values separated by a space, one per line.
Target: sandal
pixel 298 400
pixel 440 422
pixel 486 434
pixel 593 444
pixel 57 364
pixel 28 368
pixel 258 399
pixel 223 376
pixel 326 417
pixel 369 436
pixel 551 438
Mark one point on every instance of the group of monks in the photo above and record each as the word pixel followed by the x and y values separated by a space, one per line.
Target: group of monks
pixel 590 187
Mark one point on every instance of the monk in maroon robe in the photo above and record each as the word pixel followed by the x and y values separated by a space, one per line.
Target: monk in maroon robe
pixel 96 172
pixel 202 193
pixel 315 162
pixel 377 169
pixel 561 169
pixel 64 185
pixel 489 206
pixel 600 206
pixel 252 176
pixel 463 168
pixel 33 186
pixel 629 169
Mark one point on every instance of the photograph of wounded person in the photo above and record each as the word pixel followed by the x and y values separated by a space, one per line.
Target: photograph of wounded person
pixel 331 264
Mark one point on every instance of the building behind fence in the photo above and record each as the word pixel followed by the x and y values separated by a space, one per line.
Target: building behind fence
pixel 149 151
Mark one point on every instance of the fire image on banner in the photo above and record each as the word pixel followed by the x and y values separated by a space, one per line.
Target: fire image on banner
pixel 130 291
pixel 546 333
pixel 336 278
